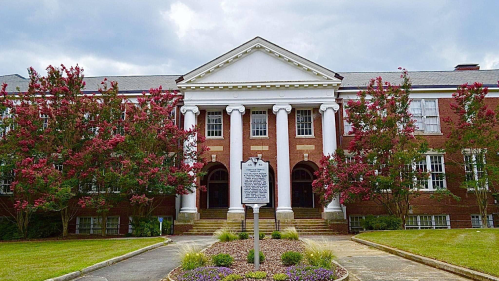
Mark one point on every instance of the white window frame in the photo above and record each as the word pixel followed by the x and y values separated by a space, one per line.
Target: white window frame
pixel 476 221
pixel 473 164
pixel 347 126
pixel 94 221
pixel 5 186
pixel 424 116
pixel 358 219
pixel 45 120
pixel 420 222
pixel 266 123
pixel 5 115
pixel 311 123
pixel 429 182
pixel 221 124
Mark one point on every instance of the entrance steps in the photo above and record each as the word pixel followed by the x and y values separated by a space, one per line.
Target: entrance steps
pixel 220 213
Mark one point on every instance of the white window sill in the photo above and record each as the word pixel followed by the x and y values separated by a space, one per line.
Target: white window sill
pixel 258 137
pixel 214 138
pixel 306 137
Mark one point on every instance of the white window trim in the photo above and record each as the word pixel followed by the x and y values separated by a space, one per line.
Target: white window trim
pixel 92 218
pixel 428 169
pixel 266 120
pixel 470 152
pixel 296 123
pixel 433 226
pixel 490 221
pixel 345 122
pixel 206 124
pixel 423 115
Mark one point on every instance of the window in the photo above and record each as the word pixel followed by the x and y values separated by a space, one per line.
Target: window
pixel 259 123
pixel 4 128
pixel 476 221
pixel 5 182
pixel 425 112
pixel 347 126
pixel 45 120
pixel 354 223
pixel 474 169
pixel 92 225
pixel 304 123
pixel 427 222
pixel 435 165
pixel 91 121
pixel 214 124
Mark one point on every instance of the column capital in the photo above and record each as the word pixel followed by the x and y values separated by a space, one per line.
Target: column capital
pixel 278 107
pixel 239 108
pixel 325 106
pixel 192 108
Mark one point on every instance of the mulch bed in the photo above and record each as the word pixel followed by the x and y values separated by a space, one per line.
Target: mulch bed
pixel 271 248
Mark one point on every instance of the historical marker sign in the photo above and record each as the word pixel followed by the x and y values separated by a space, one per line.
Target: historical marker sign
pixel 255 182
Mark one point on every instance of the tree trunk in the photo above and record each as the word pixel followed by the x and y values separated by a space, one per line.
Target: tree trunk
pixel 103 224
pixel 65 222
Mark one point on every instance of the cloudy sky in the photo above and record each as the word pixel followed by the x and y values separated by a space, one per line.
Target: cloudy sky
pixel 125 37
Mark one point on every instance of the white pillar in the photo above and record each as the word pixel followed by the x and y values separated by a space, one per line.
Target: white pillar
pixel 284 210
pixel 329 147
pixel 236 112
pixel 189 210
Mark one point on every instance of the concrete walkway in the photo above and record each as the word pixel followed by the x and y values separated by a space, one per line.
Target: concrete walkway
pixel 365 263
pixel 151 265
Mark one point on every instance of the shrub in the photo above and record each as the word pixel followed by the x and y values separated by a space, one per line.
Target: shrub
pixel 280 277
pixel 145 227
pixel 222 260
pixel 9 230
pixel 256 274
pixel 251 256
pixel 243 235
pixel 225 235
pixel 381 223
pixel 291 258
pixel 261 235
pixel 290 233
pixel 310 273
pixel 206 273
pixel 276 235
pixel 191 257
pixel 232 277
pixel 319 254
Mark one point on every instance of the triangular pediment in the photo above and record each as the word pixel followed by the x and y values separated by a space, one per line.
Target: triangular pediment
pixel 259 61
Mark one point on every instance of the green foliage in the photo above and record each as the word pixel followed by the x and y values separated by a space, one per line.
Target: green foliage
pixel 290 233
pixel 276 235
pixel 319 254
pixel 191 257
pixel 261 235
pixel 145 227
pixel 251 256
pixel 232 277
pixel 243 235
pixel 224 260
pixel 225 235
pixel 256 274
pixel 381 223
pixel 291 258
pixel 9 231
pixel 280 277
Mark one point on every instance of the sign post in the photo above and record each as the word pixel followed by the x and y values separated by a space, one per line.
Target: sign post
pixel 255 193
pixel 160 219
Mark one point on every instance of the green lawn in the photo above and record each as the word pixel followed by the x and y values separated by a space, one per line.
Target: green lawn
pixel 42 260
pixel 477 249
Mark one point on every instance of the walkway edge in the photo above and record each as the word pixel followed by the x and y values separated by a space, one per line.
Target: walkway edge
pixel 469 273
pixel 86 270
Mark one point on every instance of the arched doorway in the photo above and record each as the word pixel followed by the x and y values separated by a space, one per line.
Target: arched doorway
pixel 216 181
pixel 271 188
pixel 302 178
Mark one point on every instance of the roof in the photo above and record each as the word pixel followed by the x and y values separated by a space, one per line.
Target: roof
pixel 130 84
pixel 423 79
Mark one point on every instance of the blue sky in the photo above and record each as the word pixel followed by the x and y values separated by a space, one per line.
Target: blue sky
pixel 173 37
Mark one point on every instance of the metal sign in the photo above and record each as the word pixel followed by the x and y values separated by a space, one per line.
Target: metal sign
pixel 255 182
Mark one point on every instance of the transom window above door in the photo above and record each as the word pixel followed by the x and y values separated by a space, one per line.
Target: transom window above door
pixel 259 120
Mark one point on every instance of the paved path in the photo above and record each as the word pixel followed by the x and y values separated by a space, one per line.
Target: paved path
pixel 151 265
pixel 365 263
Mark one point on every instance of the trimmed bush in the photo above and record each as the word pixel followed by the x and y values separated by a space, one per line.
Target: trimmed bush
pixel 243 235
pixel 261 235
pixel 9 230
pixel 232 277
pixel 381 223
pixel 291 258
pixel 256 274
pixel 251 256
pixel 206 273
pixel 225 235
pixel 191 257
pixel 145 227
pixel 222 260
pixel 319 254
pixel 290 233
pixel 276 235
pixel 280 277
pixel 310 273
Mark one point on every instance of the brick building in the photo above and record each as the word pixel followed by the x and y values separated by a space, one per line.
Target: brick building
pixel 261 100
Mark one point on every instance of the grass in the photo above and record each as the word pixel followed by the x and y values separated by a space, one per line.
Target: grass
pixel 46 259
pixel 472 248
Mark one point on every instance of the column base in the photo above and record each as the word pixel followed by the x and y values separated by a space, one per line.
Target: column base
pixel 333 216
pixel 187 218
pixel 285 215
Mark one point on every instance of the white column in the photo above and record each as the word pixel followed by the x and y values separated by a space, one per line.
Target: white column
pixel 329 144
pixel 283 175
pixel 189 200
pixel 236 113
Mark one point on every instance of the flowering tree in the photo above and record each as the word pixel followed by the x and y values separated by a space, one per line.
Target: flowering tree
pixel 381 163
pixel 473 133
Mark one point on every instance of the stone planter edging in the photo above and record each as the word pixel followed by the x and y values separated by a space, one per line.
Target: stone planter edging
pixel 86 270
pixel 468 273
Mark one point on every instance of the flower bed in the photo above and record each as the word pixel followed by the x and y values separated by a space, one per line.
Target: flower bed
pixel 272 249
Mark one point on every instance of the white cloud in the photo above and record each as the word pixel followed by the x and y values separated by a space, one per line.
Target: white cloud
pixel 491 61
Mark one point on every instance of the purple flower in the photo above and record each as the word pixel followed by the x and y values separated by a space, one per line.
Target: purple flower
pixel 310 273
pixel 206 274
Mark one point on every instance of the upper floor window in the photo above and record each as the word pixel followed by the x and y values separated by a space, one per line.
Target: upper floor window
pixel 434 164
pixel 425 112
pixel 6 181
pixel 304 123
pixel 347 126
pixel 214 124
pixel 259 123
pixel 4 128
pixel 474 169
pixel 45 120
